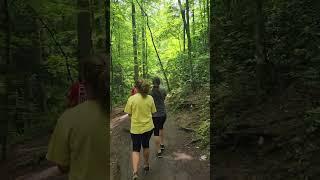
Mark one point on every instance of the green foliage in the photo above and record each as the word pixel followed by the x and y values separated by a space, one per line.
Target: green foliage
pixel 40 79
pixel 291 56
pixel 204 132
pixel 312 120
pixel 166 26
pixel 288 59
pixel 204 128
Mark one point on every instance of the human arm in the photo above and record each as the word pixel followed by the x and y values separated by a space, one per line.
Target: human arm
pixel 128 107
pixel 59 145
pixel 153 107
pixel 164 93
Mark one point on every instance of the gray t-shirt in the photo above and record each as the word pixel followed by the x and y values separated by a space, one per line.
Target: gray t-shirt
pixel 159 95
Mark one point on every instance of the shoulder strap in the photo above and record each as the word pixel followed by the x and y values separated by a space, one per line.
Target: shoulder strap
pixel 82 93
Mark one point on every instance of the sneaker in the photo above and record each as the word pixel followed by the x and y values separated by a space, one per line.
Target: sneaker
pixel 159 154
pixel 135 176
pixel 146 169
pixel 162 147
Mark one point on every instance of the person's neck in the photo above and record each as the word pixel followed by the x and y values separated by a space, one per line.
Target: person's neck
pixel 89 92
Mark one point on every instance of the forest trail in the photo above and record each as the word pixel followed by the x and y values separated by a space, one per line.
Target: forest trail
pixel 181 159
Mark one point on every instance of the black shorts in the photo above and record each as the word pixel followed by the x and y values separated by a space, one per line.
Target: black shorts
pixel 158 124
pixel 140 139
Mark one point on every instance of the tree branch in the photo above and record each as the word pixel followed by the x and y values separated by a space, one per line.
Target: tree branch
pixel 155 48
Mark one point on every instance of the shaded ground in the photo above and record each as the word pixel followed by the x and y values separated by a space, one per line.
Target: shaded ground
pixel 28 157
pixel 271 140
pixel 181 159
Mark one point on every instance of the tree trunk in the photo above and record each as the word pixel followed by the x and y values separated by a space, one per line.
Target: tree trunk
pixel 193 17
pixel 212 95
pixel 108 62
pixel 135 43
pixel 183 13
pixel 39 59
pixel 146 60
pixel 5 82
pixel 259 36
pixel 208 15
pixel 143 44
pixel 187 25
pixel 155 48
pixel 84 31
pixel 93 26
pixel 204 20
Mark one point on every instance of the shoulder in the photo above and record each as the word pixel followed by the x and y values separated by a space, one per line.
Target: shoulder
pixel 151 93
pixel 78 112
pixel 133 97
pixel 150 97
pixel 66 118
pixel 163 90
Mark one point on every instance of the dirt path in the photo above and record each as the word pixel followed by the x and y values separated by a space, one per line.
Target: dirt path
pixel 181 160
pixel 28 157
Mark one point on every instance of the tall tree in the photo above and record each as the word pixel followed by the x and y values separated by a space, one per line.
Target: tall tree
pixel 108 62
pixel 143 44
pixel 84 30
pixel 135 42
pixel 259 38
pixel 208 14
pixel 146 58
pixel 39 62
pixel 193 17
pixel 155 47
pixel 5 80
pixel 211 52
pixel 183 14
pixel 186 22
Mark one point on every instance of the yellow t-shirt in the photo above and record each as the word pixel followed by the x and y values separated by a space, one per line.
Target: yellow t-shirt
pixel 141 109
pixel 79 141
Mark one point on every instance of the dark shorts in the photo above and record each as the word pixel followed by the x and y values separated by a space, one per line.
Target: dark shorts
pixel 139 140
pixel 158 124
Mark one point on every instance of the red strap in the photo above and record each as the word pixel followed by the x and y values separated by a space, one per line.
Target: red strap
pixel 133 91
pixel 75 97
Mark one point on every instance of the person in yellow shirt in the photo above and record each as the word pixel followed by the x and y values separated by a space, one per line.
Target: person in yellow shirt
pixel 78 145
pixel 140 108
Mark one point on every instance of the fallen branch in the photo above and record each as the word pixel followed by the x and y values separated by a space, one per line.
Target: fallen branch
pixel 186 129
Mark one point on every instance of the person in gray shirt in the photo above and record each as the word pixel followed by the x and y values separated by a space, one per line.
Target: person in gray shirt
pixel 159 95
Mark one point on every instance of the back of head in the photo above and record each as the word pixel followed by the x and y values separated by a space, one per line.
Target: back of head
pixel 156 94
pixel 143 87
pixel 156 82
pixel 95 76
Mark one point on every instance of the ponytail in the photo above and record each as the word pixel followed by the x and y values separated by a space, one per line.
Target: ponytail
pixel 143 87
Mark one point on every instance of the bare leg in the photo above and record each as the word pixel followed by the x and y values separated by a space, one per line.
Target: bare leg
pixel 157 142
pixel 161 136
pixel 146 156
pixel 135 161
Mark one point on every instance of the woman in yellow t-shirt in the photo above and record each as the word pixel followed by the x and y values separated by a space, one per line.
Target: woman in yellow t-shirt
pixel 78 145
pixel 140 108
